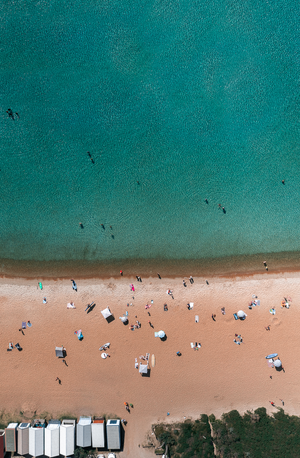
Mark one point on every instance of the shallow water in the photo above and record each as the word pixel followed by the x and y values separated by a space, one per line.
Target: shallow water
pixel 192 100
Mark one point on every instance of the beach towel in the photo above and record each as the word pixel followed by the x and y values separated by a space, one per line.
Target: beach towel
pixel 23 324
pixel 196 319
pixel 70 305
pixel 235 316
pixel 192 345
pixel 136 364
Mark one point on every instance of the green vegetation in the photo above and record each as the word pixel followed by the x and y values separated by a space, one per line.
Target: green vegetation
pixel 253 435
pixel 188 439
pixel 257 435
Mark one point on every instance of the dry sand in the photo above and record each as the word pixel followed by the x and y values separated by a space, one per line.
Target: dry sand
pixel 217 378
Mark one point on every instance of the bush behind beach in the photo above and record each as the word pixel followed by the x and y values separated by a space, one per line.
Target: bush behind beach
pixel 254 435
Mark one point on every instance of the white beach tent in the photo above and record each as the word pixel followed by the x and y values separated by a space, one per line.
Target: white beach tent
pixel 143 369
pixel 106 313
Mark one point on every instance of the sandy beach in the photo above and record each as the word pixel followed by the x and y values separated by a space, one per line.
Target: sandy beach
pixel 217 378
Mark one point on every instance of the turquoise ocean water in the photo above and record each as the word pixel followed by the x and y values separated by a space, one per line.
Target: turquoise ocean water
pixel 192 99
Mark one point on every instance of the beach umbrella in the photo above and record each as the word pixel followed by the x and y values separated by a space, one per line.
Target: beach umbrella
pixel 124 319
pixel 159 334
pixel 242 315
pixel 277 363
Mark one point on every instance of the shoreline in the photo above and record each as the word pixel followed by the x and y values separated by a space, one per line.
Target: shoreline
pixel 233 266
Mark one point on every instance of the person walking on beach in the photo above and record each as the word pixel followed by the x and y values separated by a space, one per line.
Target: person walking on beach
pixel 282 401
pixel 159 276
pixel 121 273
pixel 265 264
pixel 151 325
pixel 191 280
pixel 213 317
pixel 74 286
pixel 184 283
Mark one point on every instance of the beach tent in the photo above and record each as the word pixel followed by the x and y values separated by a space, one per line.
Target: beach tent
pixel 159 334
pixel 59 352
pixel 143 369
pixel 106 313
pixel 242 315
pixel 23 438
pixel 277 363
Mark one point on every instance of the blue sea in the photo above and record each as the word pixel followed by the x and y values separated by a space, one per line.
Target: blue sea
pixel 176 102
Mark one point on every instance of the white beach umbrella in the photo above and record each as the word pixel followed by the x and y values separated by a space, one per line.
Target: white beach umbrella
pixel 159 334
pixel 241 314
pixel 124 319
pixel 277 363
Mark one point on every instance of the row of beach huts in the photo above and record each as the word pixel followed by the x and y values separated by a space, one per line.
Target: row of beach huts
pixel 58 437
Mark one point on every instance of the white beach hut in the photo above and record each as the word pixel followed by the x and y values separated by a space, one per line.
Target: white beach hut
pixel 98 433
pixel 52 438
pixel 113 433
pixel 84 432
pixel 11 437
pixel 36 440
pixel 67 437
pixel 23 438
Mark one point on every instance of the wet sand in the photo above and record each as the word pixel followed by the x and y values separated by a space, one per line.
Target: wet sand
pixel 219 377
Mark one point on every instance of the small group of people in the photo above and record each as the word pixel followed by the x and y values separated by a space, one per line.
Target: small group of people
pixel 132 327
pixel 238 339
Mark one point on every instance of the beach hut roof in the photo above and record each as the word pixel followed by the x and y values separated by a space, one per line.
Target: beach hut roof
pixel 143 369
pixel 106 313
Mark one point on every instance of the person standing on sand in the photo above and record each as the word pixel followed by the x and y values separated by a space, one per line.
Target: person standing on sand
pixel 121 273
pixel 272 403
pixel 213 317
pixel 159 276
